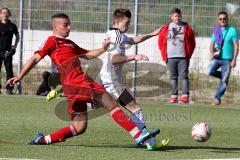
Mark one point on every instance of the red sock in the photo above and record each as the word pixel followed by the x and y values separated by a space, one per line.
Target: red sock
pixel 123 120
pixel 60 135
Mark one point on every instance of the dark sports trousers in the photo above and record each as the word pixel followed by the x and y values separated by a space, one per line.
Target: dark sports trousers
pixel 178 68
pixel 7 61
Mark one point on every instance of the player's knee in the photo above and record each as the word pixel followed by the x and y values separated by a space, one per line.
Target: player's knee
pixel 80 129
pixel 132 107
pixel 108 102
pixel 109 98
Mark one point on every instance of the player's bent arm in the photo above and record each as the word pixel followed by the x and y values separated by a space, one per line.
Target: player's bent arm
pixel 118 59
pixel 29 65
pixel 93 53
pixel 141 38
pixel 97 52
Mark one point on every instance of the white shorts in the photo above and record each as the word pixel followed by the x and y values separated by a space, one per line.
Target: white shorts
pixel 120 93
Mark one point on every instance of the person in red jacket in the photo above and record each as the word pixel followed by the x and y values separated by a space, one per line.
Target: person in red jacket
pixel 177 42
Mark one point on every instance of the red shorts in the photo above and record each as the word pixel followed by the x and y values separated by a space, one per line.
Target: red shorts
pixel 80 89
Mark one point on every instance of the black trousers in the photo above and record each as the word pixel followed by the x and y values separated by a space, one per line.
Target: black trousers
pixel 7 61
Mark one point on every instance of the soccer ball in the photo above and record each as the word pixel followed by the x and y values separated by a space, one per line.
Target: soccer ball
pixel 201 132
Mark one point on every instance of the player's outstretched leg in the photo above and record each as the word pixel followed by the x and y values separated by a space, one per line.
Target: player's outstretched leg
pixel 123 120
pixel 79 127
pixel 127 101
pixel 58 136
pixel 37 139
pixel 137 116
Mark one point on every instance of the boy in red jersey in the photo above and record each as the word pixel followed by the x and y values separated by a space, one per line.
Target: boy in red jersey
pixel 78 87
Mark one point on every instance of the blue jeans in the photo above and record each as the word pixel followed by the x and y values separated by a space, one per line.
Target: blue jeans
pixel 223 74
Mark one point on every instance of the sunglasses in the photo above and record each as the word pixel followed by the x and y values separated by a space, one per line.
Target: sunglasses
pixel 222 19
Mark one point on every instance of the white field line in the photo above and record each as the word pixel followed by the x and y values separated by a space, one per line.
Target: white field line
pixel 220 159
pixel 17 159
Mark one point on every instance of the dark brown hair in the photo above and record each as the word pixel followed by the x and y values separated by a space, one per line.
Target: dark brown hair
pixel 7 10
pixel 60 15
pixel 223 12
pixel 120 14
pixel 176 10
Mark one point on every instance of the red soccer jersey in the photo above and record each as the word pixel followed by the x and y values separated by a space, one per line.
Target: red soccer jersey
pixel 60 50
pixel 77 86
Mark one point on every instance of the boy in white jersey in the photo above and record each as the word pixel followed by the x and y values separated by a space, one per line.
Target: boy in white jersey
pixel 111 71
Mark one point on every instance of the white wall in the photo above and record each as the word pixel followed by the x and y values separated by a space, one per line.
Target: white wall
pixel 33 39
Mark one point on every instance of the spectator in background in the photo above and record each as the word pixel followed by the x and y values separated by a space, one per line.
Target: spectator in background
pixel 54 83
pixel 223 53
pixel 50 85
pixel 7 50
pixel 177 43
pixel 44 87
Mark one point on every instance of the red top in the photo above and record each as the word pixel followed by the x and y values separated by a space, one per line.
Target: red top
pixel 189 41
pixel 60 50
pixel 65 55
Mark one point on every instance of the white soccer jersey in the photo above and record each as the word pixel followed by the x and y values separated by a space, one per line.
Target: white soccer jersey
pixel 112 73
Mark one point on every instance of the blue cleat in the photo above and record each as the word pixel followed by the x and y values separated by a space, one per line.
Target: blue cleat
pixel 37 140
pixel 146 135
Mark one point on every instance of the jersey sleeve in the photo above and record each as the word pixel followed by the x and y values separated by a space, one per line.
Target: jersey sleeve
pixel 127 41
pixel 81 51
pixel 47 48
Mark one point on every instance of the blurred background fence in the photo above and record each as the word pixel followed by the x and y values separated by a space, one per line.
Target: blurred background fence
pixel 90 20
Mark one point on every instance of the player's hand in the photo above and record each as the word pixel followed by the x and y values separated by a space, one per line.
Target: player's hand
pixel 106 44
pixel 156 32
pixel 139 57
pixel 13 81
